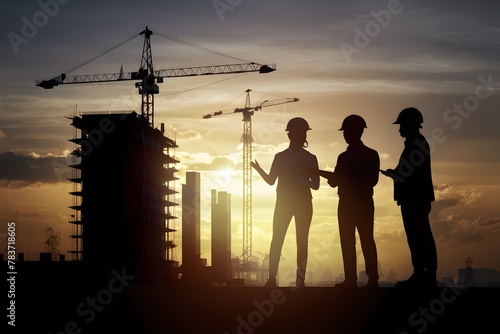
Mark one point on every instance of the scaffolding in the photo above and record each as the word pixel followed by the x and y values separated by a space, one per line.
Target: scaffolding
pixel 75 218
pixel 170 201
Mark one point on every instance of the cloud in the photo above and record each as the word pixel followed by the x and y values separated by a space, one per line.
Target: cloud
pixel 384 156
pixel 445 199
pixel 491 221
pixel 217 163
pixel 20 171
pixel 468 197
pixel 442 204
pixel 458 227
pixel 442 188
pixel 460 230
pixel 188 134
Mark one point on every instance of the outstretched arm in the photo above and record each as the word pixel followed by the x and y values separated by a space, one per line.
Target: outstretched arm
pixel 393 174
pixel 269 178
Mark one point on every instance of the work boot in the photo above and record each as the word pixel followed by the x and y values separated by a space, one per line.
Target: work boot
pixel 415 281
pixel 346 284
pixel 371 284
pixel 271 283
pixel 299 281
pixel 430 280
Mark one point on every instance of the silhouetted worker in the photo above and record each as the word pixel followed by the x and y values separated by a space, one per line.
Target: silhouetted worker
pixel 293 168
pixel 355 175
pixel 414 192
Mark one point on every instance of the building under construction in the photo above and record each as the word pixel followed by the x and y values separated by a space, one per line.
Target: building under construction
pixel 123 196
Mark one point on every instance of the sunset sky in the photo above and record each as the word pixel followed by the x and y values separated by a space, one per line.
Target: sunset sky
pixel 371 58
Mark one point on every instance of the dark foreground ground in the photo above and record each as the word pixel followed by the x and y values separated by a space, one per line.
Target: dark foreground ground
pixel 119 307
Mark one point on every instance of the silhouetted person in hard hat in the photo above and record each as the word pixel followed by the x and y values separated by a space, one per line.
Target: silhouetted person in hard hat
pixel 414 192
pixel 293 168
pixel 355 175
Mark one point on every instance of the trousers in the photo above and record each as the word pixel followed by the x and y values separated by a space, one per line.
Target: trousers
pixel 419 235
pixel 284 210
pixel 357 214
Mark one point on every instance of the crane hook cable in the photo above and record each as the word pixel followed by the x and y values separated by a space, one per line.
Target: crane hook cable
pixel 103 53
pixel 160 35
pixel 199 47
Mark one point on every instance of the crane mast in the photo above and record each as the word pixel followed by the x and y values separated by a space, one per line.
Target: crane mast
pixel 247 140
pixel 148 87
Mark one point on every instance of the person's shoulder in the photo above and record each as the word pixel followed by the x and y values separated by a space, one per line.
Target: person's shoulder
pixel 367 149
pixel 372 151
pixel 418 142
pixel 342 156
pixel 422 138
pixel 282 154
pixel 309 154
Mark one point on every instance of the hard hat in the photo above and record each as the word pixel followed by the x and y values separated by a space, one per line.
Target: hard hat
pixel 297 124
pixel 353 122
pixel 409 116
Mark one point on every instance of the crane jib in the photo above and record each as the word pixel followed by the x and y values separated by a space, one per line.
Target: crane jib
pixel 168 73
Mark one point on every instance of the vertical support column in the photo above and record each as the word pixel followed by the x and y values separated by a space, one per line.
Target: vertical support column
pixel 247 187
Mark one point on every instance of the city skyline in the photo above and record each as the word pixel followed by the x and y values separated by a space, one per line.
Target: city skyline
pixel 440 58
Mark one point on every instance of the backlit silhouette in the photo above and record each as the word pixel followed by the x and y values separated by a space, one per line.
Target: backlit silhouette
pixel 292 167
pixel 414 192
pixel 355 175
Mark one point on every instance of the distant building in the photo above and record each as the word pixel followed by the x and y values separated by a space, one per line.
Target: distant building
pixel 221 236
pixel 122 199
pixel 477 277
pixel 191 253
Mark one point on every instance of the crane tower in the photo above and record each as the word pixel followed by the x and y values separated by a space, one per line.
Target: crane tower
pixel 147 78
pixel 246 138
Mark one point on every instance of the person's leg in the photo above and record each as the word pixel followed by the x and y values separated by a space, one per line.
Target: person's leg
pixel 365 231
pixel 281 220
pixel 429 252
pixel 303 218
pixel 411 222
pixel 421 244
pixel 347 231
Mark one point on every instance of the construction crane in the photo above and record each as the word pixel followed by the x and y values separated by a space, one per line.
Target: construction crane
pixel 147 78
pixel 247 140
